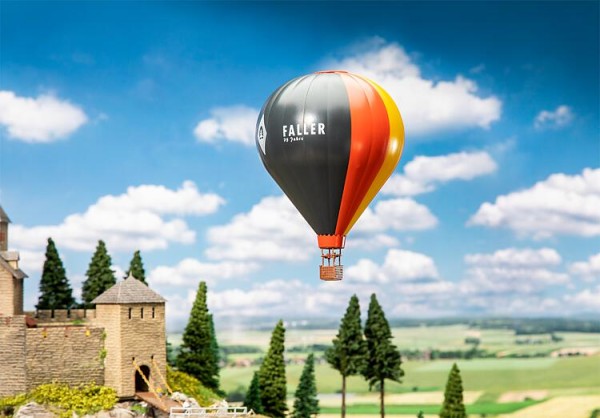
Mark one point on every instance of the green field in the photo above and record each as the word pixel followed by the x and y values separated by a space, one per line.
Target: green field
pixel 478 408
pixel 487 379
pixel 501 341
pixel 493 376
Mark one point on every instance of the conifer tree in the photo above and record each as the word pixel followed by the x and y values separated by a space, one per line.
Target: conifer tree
pixel 453 406
pixel 420 415
pixel 136 268
pixel 347 355
pixel 271 376
pixel 306 404
pixel 383 358
pixel 55 291
pixel 253 399
pixel 100 275
pixel 197 357
pixel 214 346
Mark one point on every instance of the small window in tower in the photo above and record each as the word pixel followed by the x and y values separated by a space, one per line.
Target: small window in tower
pixel 129 313
pixel 153 312
pixel 142 313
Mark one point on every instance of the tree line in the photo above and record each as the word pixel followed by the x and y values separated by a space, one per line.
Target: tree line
pixel 355 350
pixel 55 291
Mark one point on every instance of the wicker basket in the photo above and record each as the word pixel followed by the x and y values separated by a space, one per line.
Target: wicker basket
pixel 331 273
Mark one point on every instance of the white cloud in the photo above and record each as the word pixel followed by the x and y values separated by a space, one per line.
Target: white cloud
pixel 426 106
pixel 513 270
pixel 133 220
pixel 561 204
pixel 396 214
pixel 558 118
pixel 587 270
pixel 399 266
pixel 190 271
pixel 423 174
pixel 32 262
pixel 516 257
pixel 272 230
pixel 371 242
pixel 587 299
pixel 42 119
pixel 234 123
pixel 269 299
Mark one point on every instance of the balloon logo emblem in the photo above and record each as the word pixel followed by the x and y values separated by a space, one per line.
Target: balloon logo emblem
pixel 334 140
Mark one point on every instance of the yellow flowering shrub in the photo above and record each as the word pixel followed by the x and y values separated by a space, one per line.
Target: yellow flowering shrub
pixel 184 383
pixel 83 399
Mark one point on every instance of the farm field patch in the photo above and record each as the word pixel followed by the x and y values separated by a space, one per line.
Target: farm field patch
pixel 560 407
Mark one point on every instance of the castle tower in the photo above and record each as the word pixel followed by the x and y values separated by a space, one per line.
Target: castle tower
pixel 11 276
pixel 133 317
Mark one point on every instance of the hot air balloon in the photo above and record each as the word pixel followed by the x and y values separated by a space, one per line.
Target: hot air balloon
pixel 330 140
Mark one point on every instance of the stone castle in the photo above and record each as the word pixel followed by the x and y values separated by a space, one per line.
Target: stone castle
pixel 120 344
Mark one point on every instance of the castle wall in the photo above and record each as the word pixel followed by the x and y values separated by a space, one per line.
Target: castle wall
pixel 13 378
pixel 72 354
pixel 7 298
pixel 63 315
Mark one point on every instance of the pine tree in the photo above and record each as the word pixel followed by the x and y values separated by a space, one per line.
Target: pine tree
pixel 197 357
pixel 55 291
pixel 100 275
pixel 453 406
pixel 136 268
pixel 347 355
pixel 383 359
pixel 253 399
pixel 420 415
pixel 271 376
pixel 306 404
pixel 214 346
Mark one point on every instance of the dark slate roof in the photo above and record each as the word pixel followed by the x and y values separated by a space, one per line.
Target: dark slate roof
pixel 130 290
pixel 3 215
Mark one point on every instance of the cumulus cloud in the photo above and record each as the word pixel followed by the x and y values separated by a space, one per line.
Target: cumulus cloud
pixel 513 270
pixel 516 257
pixel 45 118
pixel 146 217
pixel 557 118
pixel 32 262
pixel 395 214
pixel 399 266
pixel 272 230
pixel 233 123
pixel 561 204
pixel 190 271
pixel 423 174
pixel 426 106
pixel 587 299
pixel 587 270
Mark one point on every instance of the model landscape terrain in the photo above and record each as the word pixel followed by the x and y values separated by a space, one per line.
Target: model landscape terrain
pixel 299 209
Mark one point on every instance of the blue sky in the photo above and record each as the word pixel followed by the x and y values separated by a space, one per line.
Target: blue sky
pixel 133 122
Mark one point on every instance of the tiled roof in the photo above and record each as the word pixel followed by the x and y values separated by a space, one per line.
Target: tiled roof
pixel 130 290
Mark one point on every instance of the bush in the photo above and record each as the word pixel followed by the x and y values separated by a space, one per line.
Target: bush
pixel 10 404
pixel 183 382
pixel 83 399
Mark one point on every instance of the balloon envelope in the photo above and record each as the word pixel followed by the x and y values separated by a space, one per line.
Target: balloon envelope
pixel 330 140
